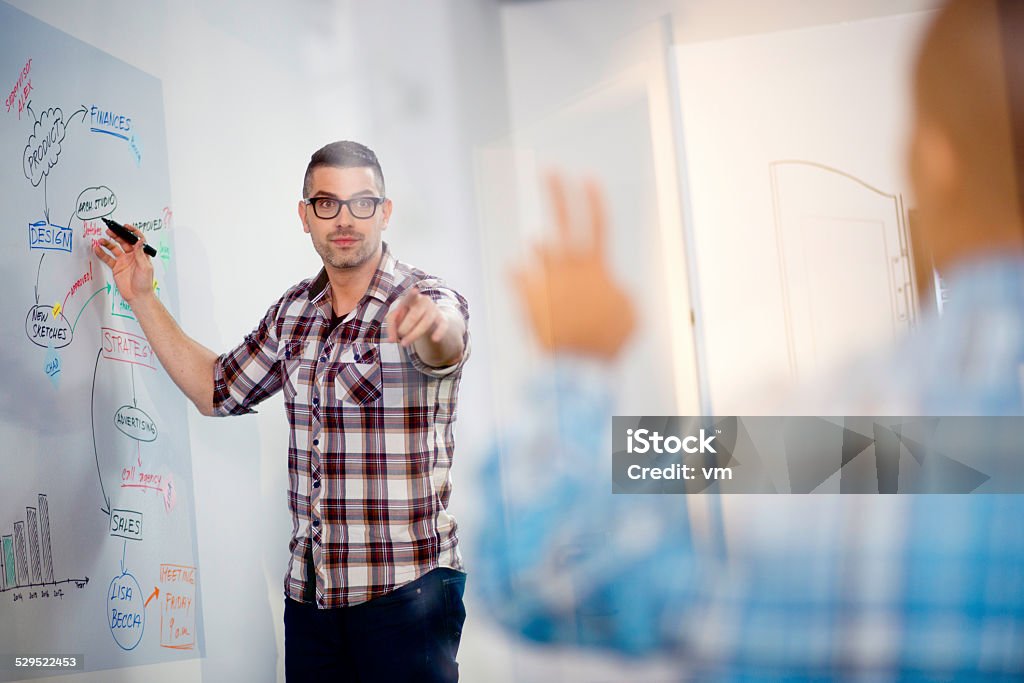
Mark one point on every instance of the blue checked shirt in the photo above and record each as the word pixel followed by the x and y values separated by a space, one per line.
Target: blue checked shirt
pixel 371 440
pixel 820 587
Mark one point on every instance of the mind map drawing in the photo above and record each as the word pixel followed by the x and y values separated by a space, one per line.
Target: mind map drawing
pixel 97 523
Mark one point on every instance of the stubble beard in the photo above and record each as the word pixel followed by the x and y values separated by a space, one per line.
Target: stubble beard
pixel 365 250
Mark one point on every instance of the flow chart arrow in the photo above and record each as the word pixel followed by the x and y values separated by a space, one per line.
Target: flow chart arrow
pixel 39 270
pixel 92 413
pixel 83 111
pixel 106 289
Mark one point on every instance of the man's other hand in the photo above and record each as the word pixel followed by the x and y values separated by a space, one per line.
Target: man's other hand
pixel 571 298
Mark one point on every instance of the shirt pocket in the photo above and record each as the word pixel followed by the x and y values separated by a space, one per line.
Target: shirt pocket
pixel 358 379
pixel 294 369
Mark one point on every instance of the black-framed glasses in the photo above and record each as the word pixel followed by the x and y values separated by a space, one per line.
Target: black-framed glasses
pixel 329 207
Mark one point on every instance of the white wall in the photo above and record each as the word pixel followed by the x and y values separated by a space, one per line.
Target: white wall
pixel 836 95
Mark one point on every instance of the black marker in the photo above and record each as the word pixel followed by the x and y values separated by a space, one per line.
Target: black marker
pixel 127 235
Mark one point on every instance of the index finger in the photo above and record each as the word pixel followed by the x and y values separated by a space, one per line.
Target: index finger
pixel 138 233
pixel 598 215
pixel 410 295
pixel 122 242
pixel 119 241
pixel 560 205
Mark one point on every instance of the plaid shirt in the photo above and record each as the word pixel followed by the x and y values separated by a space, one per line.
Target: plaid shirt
pixel 820 587
pixel 371 445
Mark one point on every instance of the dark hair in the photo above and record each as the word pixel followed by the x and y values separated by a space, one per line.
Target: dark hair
pixel 344 154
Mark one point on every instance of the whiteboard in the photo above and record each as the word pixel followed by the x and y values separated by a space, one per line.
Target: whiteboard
pixel 97 524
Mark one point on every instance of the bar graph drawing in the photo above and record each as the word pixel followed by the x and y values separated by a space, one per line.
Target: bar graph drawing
pixel 26 555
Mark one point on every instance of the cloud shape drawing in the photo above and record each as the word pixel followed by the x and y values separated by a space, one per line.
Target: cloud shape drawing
pixel 43 148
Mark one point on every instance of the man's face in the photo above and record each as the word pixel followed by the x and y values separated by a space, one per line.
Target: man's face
pixel 345 242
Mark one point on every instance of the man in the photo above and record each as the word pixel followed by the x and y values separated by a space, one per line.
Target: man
pixel 927 587
pixel 368 354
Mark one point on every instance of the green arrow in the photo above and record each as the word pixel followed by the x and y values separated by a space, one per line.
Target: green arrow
pixel 98 291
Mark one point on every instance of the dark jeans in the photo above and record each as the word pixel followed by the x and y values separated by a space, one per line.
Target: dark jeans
pixel 411 634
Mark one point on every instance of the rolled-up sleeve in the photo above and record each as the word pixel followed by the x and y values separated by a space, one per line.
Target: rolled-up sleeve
pixel 249 373
pixel 444 297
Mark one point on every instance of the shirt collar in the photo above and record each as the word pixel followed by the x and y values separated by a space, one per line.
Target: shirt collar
pixel 381 285
pixel 383 281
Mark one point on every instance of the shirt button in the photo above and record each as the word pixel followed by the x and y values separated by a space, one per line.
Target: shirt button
pixel 316 442
pixel 316 400
pixel 316 484
pixel 323 359
pixel 316 522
